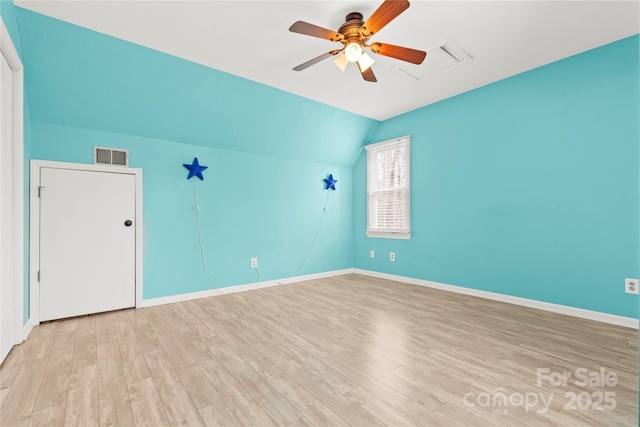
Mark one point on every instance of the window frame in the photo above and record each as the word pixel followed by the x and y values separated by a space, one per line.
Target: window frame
pixel 372 150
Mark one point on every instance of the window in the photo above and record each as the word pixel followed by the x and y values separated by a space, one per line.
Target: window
pixel 388 189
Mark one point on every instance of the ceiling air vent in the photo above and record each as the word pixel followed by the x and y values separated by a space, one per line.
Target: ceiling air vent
pixel 441 59
pixel 110 156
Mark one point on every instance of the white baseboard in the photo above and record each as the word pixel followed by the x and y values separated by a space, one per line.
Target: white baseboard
pixel 240 288
pixel 628 322
pixel 26 330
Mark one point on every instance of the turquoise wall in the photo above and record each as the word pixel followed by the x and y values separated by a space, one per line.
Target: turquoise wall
pixel 250 206
pixel 81 78
pixel 267 152
pixel 8 14
pixel 526 187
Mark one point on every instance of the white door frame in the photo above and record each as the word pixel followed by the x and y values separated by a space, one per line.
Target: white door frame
pixel 34 238
pixel 17 200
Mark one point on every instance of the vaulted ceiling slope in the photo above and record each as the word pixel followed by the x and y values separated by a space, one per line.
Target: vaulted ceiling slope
pixel 495 39
pixel 82 78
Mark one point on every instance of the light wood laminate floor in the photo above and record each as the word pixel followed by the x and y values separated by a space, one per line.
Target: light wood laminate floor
pixel 348 350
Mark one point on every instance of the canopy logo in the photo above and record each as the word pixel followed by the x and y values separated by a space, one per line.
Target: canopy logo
pixel 498 400
pixel 600 399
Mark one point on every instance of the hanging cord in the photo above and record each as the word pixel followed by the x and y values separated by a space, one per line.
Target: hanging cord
pixel 260 277
pixel 204 264
pixel 315 238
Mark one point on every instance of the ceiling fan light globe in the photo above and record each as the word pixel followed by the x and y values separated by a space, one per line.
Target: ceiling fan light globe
pixel 365 62
pixel 353 51
pixel 341 62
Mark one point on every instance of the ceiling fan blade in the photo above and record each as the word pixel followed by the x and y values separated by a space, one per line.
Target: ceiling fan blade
pixel 317 59
pixel 307 29
pixel 368 74
pixel 386 13
pixel 398 52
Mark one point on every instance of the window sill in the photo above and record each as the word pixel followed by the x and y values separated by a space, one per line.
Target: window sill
pixel 389 235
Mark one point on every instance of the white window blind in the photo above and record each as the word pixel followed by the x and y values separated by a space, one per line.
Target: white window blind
pixel 389 189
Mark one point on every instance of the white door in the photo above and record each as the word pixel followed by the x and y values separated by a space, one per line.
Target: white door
pixel 87 242
pixel 7 285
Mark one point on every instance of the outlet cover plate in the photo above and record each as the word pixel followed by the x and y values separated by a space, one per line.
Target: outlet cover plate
pixel 632 286
pixel 254 262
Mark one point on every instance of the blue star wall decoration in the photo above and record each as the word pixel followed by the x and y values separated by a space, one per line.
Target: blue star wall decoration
pixel 330 182
pixel 195 169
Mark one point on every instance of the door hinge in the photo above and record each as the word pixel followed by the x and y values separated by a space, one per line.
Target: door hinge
pixel 38 277
pixel 39 192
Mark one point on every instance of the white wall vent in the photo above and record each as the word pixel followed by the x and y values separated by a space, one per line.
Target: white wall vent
pixel 441 59
pixel 110 156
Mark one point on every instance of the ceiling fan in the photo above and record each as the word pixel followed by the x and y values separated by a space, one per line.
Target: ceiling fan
pixel 354 35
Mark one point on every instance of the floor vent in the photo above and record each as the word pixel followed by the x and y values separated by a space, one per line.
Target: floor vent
pixel 110 156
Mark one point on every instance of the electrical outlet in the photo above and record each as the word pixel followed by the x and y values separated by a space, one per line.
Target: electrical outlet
pixel 254 262
pixel 372 253
pixel 392 256
pixel 632 286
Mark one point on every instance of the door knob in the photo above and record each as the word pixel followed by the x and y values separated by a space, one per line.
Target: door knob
pixel 128 223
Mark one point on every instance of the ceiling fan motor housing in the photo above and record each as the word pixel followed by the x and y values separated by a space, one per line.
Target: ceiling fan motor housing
pixel 354 15
pixel 351 29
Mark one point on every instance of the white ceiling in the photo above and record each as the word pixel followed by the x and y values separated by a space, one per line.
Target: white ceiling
pixel 251 39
